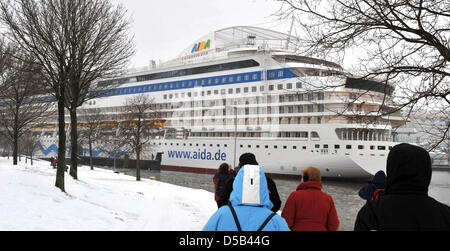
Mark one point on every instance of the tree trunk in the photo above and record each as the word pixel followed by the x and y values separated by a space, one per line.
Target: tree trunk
pixel 61 142
pixel 15 149
pixel 15 141
pixel 90 154
pixel 138 166
pixel 73 143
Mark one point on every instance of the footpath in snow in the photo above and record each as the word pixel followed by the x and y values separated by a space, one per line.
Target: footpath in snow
pixel 99 200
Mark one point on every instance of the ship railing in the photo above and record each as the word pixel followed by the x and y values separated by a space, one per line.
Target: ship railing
pixel 215 54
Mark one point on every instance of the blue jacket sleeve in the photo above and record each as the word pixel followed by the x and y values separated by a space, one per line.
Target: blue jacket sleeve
pixel 212 223
pixel 281 223
pixel 222 220
pixel 277 223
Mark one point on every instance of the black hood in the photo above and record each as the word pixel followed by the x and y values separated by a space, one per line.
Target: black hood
pixel 408 170
pixel 379 179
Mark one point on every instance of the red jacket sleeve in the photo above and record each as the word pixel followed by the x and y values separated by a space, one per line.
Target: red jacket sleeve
pixel 289 211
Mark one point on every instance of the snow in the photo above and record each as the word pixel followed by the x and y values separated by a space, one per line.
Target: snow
pixel 99 200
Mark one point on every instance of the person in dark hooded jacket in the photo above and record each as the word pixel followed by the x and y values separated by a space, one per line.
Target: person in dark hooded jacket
pixel 405 204
pixel 220 179
pixel 378 182
pixel 250 159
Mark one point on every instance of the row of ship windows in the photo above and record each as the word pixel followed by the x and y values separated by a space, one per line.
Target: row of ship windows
pixel 259 110
pixel 203 82
pixel 223 102
pixel 184 72
pixel 232 79
pixel 317 146
pixel 320 95
pixel 302 135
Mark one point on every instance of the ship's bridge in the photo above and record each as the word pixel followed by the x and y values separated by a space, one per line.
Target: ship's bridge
pixel 238 39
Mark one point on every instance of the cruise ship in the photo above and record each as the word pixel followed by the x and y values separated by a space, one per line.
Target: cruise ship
pixel 246 89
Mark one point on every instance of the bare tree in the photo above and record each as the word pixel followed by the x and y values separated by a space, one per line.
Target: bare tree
pixel 5 146
pixel 74 42
pixel 401 43
pixel 99 46
pixel 3 56
pixel 22 106
pixel 138 124
pixel 115 146
pixel 92 132
pixel 38 27
pixel 29 145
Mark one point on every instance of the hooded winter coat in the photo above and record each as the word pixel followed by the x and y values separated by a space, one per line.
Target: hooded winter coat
pixel 250 200
pixel 273 194
pixel 310 209
pixel 405 204
pixel 378 182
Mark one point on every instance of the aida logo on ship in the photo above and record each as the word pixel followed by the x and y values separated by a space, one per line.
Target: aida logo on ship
pixel 201 46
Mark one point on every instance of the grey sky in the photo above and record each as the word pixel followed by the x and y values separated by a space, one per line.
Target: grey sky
pixel 163 28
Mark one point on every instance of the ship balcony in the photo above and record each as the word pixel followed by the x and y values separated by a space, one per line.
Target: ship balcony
pixel 364 134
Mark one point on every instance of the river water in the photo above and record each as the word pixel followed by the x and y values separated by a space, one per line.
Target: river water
pixel 344 193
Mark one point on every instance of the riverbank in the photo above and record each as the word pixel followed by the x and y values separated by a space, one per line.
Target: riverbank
pixel 100 200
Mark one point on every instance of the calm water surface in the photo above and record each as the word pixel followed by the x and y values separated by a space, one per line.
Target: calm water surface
pixel 344 193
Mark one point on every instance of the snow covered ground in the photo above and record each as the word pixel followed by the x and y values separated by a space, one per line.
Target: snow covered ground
pixel 99 200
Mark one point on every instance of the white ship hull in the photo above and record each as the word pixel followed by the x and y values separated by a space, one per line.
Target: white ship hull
pixel 281 157
pixel 284 160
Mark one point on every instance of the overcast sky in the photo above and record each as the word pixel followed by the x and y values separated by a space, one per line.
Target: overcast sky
pixel 163 28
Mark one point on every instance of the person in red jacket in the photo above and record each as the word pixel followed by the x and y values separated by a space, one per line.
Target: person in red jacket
pixel 308 208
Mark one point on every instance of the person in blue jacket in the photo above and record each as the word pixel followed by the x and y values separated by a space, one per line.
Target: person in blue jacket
pixel 249 207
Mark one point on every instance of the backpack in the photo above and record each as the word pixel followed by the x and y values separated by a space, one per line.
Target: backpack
pixel 238 225
pixel 378 193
